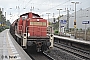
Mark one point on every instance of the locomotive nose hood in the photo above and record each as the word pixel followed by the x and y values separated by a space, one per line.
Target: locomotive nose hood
pixel 37 27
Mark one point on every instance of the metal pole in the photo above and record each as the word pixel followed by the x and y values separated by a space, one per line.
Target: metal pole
pixel 59 22
pixel 67 20
pixel 85 31
pixel 75 21
pixel 75 11
pixel 18 8
pixel 5 14
pixel 53 18
pixel 48 19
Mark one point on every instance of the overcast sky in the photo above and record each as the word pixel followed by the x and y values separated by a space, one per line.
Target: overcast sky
pixel 41 7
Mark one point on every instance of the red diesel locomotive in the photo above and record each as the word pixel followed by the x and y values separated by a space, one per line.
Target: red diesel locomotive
pixel 30 31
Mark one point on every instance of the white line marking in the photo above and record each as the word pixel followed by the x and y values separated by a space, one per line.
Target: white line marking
pixel 13 48
pixel 15 52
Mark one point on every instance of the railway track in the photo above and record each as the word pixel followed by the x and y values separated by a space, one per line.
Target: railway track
pixel 40 56
pixel 78 52
pixel 50 58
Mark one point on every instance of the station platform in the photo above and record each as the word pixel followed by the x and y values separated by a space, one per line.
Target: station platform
pixel 10 49
pixel 73 40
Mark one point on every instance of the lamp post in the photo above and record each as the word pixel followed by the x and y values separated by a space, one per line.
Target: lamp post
pixel 59 22
pixel 10 13
pixel 18 8
pixel 48 18
pixel 75 19
pixel 53 18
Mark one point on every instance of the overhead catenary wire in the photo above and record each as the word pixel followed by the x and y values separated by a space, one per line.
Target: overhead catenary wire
pixel 44 2
pixel 57 5
pixel 23 3
pixel 27 3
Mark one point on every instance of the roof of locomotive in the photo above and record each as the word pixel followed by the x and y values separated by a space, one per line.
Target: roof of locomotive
pixel 30 13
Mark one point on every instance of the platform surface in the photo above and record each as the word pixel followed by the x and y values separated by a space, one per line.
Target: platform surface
pixel 73 40
pixel 10 49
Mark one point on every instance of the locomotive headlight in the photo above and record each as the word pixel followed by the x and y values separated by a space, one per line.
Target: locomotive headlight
pixel 37 19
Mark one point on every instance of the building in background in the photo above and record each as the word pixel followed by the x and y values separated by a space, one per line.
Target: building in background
pixel 81 15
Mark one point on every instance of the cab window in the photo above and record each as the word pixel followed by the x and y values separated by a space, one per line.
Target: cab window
pixel 38 23
pixel 24 17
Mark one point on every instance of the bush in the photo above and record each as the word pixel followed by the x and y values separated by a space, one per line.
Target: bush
pixel 6 27
pixel 0 30
pixel 3 28
pixel 56 32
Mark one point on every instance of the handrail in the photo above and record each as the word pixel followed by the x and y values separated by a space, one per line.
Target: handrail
pixel 20 31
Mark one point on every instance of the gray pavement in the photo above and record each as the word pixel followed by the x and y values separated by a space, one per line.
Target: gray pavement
pixel 9 49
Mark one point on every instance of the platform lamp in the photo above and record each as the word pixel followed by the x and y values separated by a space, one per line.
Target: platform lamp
pixel 59 22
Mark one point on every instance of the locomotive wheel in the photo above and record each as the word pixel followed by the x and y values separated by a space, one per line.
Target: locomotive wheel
pixel 31 48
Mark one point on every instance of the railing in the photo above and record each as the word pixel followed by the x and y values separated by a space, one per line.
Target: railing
pixel 81 35
pixel 69 41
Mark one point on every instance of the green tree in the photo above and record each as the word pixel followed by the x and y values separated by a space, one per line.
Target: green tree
pixel 77 29
pixel 3 23
pixel 80 29
pixel 55 26
pixel 8 23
